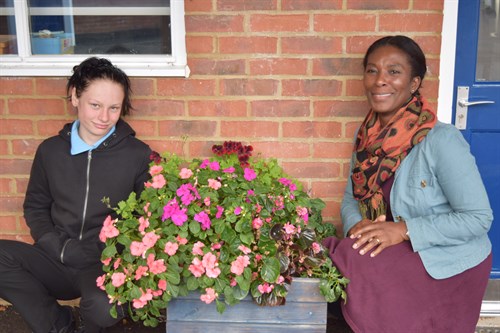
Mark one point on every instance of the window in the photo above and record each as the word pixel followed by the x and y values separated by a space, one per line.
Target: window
pixel 49 37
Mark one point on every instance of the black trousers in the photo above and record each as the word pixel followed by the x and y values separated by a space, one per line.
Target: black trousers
pixel 33 282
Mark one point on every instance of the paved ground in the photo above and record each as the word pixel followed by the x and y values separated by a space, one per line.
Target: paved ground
pixel 11 322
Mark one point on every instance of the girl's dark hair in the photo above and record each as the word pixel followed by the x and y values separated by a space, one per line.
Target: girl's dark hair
pixel 412 50
pixel 93 69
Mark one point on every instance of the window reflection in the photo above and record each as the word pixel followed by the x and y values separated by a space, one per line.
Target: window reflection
pixel 488 51
pixel 8 44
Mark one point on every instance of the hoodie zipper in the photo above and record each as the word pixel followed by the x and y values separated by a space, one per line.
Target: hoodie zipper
pixel 87 187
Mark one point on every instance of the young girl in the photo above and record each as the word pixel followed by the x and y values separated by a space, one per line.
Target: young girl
pixel 94 157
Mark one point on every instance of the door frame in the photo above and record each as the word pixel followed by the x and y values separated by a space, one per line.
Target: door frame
pixel 491 304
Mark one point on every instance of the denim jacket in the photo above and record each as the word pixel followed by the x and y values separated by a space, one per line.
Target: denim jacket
pixel 439 192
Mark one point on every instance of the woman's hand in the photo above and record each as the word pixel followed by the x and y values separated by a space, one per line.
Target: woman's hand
pixel 377 234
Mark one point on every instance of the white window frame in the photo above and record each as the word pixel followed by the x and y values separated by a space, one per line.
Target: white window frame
pixel 26 64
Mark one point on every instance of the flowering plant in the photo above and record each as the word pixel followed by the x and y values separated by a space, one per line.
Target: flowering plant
pixel 226 227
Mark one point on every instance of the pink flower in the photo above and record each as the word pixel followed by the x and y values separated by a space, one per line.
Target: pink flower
pixel 158 181
pixel 289 228
pixel 213 272
pixel 209 260
pixel 214 166
pixel 139 303
pixel 220 210
pixel 185 173
pixel 250 193
pixel 204 164
pixel 108 229
pixel 257 223
pixel 238 266
pixel 106 261
pixel 156 266
pixel 140 272
pixel 162 284
pixel 265 288
pixel 197 248
pixel 214 184
pixel 187 193
pixel 244 249
pixel 249 174
pixel 203 218
pixel 237 210
pixel 171 248
pixel 280 279
pixel 143 223
pixel 149 240
pixel 206 201
pixel 116 264
pixel 210 296
pixel 316 248
pixel 196 268
pixel 100 281
pixel 137 248
pixel 216 246
pixel 117 279
pixel 172 211
pixel 229 170
pixel 303 213
pixel 182 241
pixel 155 170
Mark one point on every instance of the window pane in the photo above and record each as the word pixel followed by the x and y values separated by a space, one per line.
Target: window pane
pixel 105 27
pixel 8 44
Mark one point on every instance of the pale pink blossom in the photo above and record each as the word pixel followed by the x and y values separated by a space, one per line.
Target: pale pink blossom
pixel 140 272
pixel 155 170
pixel 316 248
pixel 265 288
pixel 289 228
pixel 182 241
pixel 162 284
pixel 117 279
pixel 209 260
pixel 244 249
pixel 206 201
pixel 212 272
pixel 185 173
pixel 158 181
pixel 210 296
pixel 197 248
pixel 108 229
pixel 214 184
pixel 137 248
pixel 149 240
pixel 196 268
pixel 117 262
pixel 303 213
pixel 257 223
pixel 216 246
pixel 249 174
pixel 139 303
pixel 100 281
pixel 280 279
pixel 106 261
pixel 143 223
pixel 171 248
pixel 238 266
pixel 156 266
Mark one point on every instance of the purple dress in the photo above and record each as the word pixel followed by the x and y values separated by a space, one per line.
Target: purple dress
pixel 393 293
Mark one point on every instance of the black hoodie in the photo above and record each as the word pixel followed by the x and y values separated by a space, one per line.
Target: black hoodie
pixel 63 206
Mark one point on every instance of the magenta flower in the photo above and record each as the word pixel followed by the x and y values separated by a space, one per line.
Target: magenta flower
pixel 220 210
pixel 214 166
pixel 229 170
pixel 249 174
pixel 174 212
pixel 237 210
pixel 187 193
pixel 203 218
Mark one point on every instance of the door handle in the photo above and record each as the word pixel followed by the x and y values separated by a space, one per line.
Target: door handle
pixel 464 103
pixel 462 107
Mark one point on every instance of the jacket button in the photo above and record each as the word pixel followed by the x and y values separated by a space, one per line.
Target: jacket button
pixel 423 183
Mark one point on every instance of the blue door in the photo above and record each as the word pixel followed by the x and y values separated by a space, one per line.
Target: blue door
pixel 476 98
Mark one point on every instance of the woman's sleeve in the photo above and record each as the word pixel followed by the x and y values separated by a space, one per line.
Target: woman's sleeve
pixel 458 176
pixel 350 209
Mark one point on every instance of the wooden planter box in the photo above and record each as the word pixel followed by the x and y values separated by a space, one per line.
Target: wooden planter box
pixel 305 311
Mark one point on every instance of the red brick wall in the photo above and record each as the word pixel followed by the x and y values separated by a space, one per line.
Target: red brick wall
pixel 282 75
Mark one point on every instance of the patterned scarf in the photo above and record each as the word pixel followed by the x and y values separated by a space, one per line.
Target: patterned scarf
pixel 380 151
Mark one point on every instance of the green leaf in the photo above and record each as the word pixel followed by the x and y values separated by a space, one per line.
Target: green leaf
pixel 270 270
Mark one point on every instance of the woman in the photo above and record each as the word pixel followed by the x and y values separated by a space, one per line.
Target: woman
pixel 415 210
pixel 96 156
